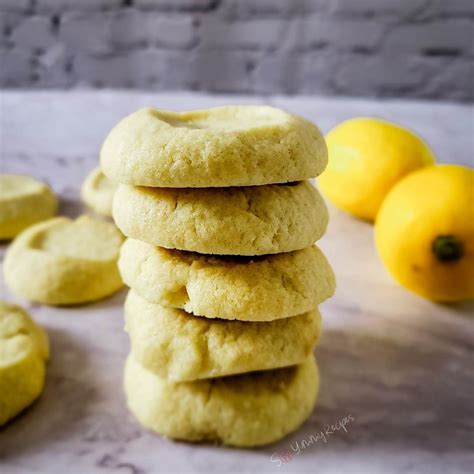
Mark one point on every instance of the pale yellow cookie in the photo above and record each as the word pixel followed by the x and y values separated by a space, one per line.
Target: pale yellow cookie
pixel 98 192
pixel 24 350
pixel 176 345
pixel 244 288
pixel 63 261
pixel 253 220
pixel 241 410
pixel 23 202
pixel 224 146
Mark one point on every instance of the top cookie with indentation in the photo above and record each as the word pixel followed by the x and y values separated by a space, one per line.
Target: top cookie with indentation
pixel 218 147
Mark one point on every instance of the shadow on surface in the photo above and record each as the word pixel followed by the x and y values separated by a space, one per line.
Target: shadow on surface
pixel 400 393
pixel 71 207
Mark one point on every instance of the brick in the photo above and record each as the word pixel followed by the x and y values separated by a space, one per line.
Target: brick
pixel 17 67
pixel 278 7
pixel 246 9
pixel 362 74
pixel 53 56
pixel 453 80
pixel 451 8
pixel 52 68
pixel 279 74
pixel 130 69
pixel 172 31
pixel 34 32
pixel 177 5
pixel 307 6
pixel 171 70
pixel 179 72
pixel 252 34
pixel 128 29
pixel 15 5
pixel 58 6
pixel 221 72
pixel 134 28
pixel 402 9
pixel 86 32
pixel 101 71
pixel 449 36
pixel 8 21
pixel 343 33
pixel 297 73
pixel 318 70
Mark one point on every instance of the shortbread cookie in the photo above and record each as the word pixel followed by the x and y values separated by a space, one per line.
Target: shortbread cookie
pixel 23 202
pixel 224 146
pixel 24 350
pixel 241 410
pixel 98 192
pixel 179 346
pixel 253 220
pixel 62 261
pixel 244 288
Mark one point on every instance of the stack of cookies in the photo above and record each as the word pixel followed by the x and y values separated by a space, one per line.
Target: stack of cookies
pixel 225 280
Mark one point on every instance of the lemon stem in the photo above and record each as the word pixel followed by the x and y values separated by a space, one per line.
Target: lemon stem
pixel 447 248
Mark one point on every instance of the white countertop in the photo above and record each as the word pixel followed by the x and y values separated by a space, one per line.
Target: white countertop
pixel 401 366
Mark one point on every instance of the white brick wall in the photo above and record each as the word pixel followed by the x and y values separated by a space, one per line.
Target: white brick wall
pixel 417 48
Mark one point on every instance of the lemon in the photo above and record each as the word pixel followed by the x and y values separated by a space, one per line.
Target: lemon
pixel 424 232
pixel 367 157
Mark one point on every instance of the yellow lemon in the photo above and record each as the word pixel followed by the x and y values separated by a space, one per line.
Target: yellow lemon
pixel 367 157
pixel 425 232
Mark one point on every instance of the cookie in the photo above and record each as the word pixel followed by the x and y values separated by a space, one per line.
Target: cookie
pixel 98 192
pixel 24 350
pixel 244 288
pixel 253 220
pixel 23 202
pixel 219 147
pixel 241 410
pixel 179 346
pixel 61 261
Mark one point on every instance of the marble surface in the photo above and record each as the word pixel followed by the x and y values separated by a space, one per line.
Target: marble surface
pixel 401 367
